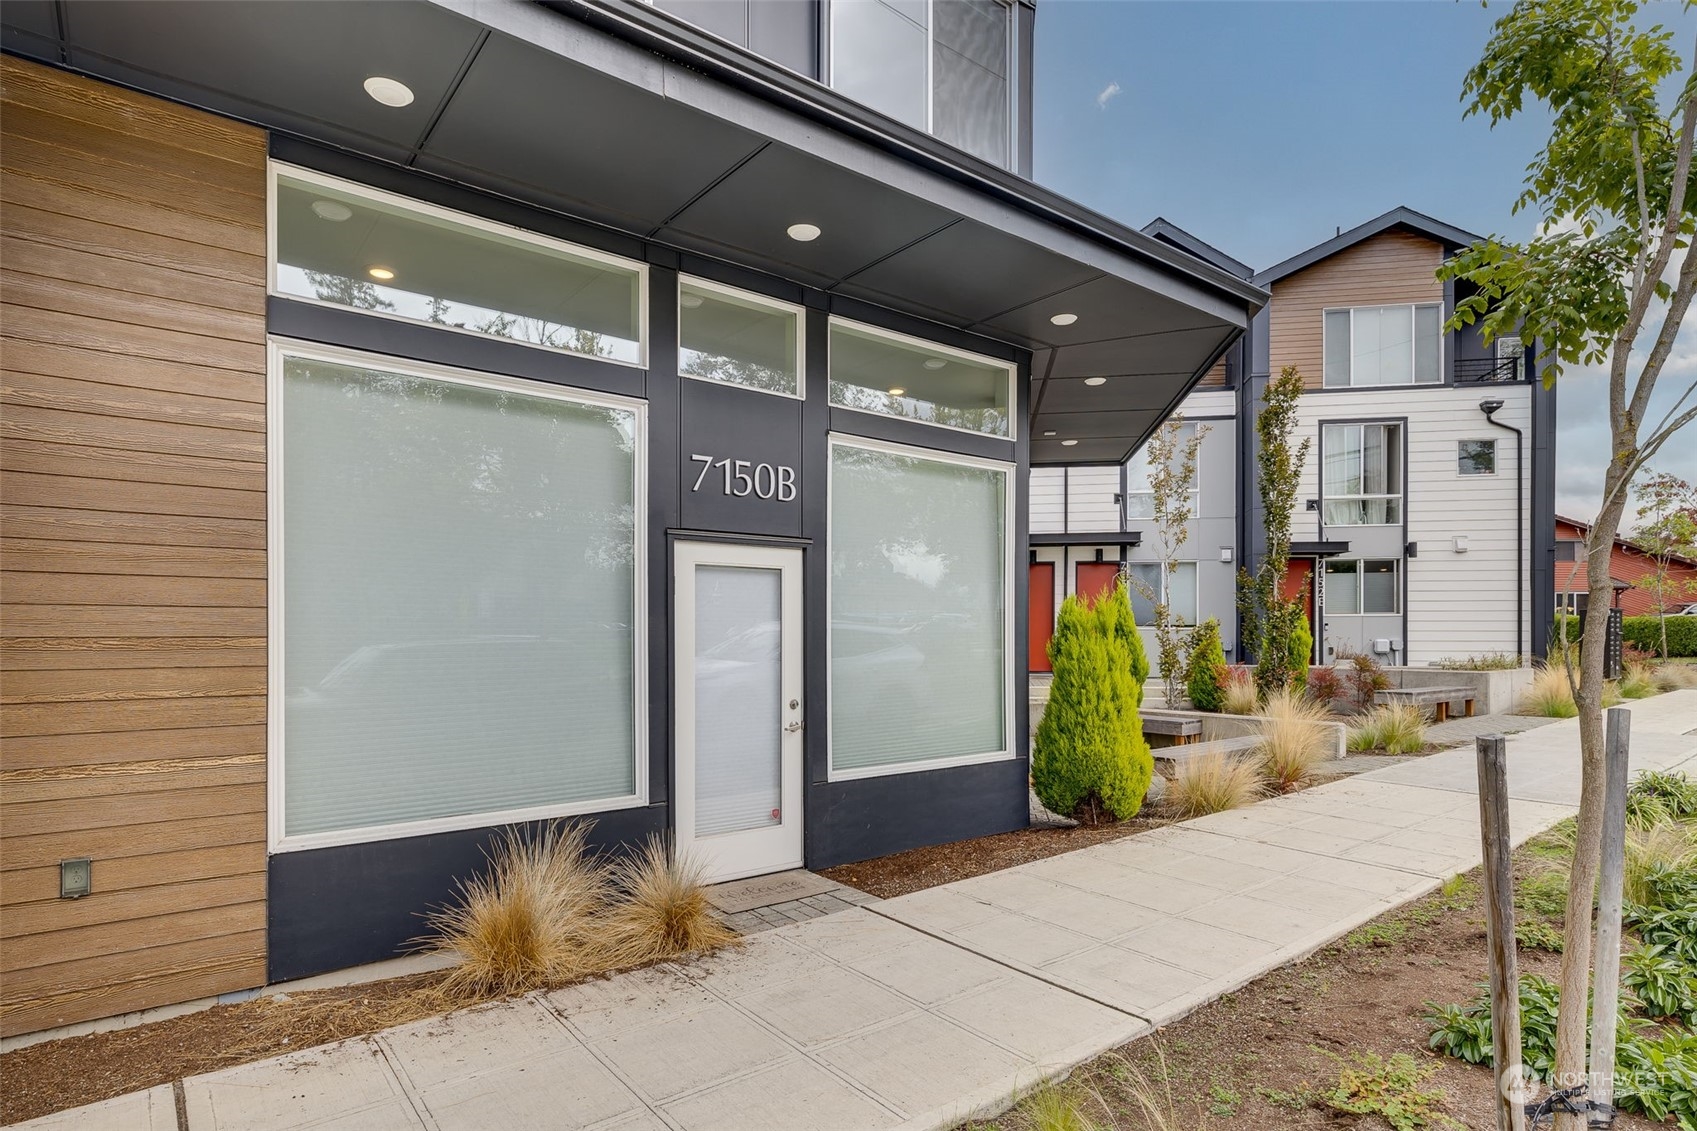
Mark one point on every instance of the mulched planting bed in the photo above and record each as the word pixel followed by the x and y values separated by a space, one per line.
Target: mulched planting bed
pixel 1246 1059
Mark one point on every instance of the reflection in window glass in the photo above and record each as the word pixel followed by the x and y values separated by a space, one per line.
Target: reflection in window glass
pixel 878 51
pixel 919 623
pixel 1143 583
pixel 738 339
pixel 1476 457
pixel 1354 587
pixel 875 372
pixel 1140 495
pixel 1383 345
pixel 970 80
pixel 1343 587
pixel 1378 587
pixel 459 580
pixel 1362 474
pixel 375 253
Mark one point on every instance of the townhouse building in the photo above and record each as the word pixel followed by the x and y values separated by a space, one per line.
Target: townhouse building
pixel 1424 527
pixel 427 418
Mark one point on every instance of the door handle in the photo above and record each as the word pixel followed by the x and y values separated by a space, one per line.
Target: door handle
pixel 793 727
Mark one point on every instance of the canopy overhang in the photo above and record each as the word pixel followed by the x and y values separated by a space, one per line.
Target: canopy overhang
pixel 613 113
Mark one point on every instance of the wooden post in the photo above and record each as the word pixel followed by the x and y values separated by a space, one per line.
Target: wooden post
pixel 1499 927
pixel 1605 1000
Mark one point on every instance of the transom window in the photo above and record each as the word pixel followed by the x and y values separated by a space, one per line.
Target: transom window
pixel 1363 474
pixel 738 338
pixel 939 65
pixel 347 245
pixel 891 374
pixel 1476 457
pixel 1361 586
pixel 1384 345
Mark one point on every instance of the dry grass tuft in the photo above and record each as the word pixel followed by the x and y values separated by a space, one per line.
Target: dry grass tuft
pixel 1398 729
pixel 661 909
pixel 1240 697
pixel 1549 695
pixel 1675 677
pixel 1638 681
pixel 1213 784
pixel 530 921
pixel 1294 739
pixel 1670 846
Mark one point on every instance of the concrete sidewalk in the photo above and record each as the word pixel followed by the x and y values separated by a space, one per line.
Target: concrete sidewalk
pixel 921 1011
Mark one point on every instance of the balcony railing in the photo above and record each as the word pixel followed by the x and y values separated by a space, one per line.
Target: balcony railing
pixel 1490 371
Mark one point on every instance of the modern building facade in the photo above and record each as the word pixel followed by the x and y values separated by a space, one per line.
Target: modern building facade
pixel 426 418
pixel 1632 571
pixel 1423 528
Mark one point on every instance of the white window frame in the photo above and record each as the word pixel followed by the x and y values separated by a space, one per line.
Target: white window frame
pixel 1413 347
pixel 1360 587
pixel 1195 480
pixel 829 78
pixel 276 169
pixel 277 349
pixel 1007 469
pixel 1400 495
pixel 1495 452
pixel 753 299
pixel 1007 367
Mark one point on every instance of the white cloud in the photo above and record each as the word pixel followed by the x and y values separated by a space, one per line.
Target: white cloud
pixel 1109 93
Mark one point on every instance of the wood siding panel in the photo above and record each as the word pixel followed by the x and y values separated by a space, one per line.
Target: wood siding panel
pixel 1215 378
pixel 132 448
pixel 1391 268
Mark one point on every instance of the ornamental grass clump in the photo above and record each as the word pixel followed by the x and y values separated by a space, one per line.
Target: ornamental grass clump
pixel 659 909
pixel 1295 738
pixel 1398 729
pixel 528 921
pixel 1241 695
pixel 1637 682
pixel 1089 753
pixel 1206 683
pixel 1676 677
pixel 1213 783
pixel 1549 694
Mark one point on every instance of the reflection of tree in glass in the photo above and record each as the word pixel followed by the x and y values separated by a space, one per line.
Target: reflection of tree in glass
pixel 544 333
pixel 991 421
pixel 731 371
pixel 347 292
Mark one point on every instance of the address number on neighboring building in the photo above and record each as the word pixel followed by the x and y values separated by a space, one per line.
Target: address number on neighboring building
pixel 741 478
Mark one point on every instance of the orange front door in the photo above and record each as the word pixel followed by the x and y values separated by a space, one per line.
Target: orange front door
pixel 1096 580
pixel 1040 616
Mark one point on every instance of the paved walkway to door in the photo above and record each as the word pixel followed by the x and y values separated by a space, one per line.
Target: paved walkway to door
pixel 920 1011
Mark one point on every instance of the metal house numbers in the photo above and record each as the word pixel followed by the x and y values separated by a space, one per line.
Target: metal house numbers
pixel 742 478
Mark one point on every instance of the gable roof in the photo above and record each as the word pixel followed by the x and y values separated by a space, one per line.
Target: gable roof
pixel 1397 219
pixel 1170 233
pixel 1622 542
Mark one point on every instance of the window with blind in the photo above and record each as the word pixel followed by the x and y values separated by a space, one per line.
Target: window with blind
pixel 1384 345
pixel 1362 474
pixel 460 640
pixel 920 629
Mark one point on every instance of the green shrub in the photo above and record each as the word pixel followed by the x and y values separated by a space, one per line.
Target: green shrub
pixel 1390 1089
pixel 1301 653
pixel 1646 633
pixel 1206 681
pixel 1676 792
pixel 1666 986
pixel 1089 749
pixel 1489 662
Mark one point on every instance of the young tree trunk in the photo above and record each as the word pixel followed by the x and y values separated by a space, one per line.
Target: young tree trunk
pixel 1571 1022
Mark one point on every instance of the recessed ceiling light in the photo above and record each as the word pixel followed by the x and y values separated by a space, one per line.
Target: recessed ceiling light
pixel 689 302
pixel 803 233
pixel 390 92
pixel 1095 380
pixel 1068 443
pixel 382 273
pixel 1050 432
pixel 934 363
pixel 897 391
pixel 331 210
pixel 1063 319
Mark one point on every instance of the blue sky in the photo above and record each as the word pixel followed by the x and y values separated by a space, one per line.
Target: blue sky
pixel 1262 126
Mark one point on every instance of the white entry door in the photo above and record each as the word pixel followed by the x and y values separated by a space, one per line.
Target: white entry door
pixel 739 721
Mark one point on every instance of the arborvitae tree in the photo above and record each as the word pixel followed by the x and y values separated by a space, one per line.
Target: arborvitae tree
pixel 1090 752
pixel 1206 682
pixel 1301 646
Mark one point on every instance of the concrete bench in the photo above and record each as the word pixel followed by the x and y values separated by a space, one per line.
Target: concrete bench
pixel 1169 758
pixel 1438 698
pixel 1181 730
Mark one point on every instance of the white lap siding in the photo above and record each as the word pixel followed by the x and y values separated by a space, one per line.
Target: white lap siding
pixel 1458 603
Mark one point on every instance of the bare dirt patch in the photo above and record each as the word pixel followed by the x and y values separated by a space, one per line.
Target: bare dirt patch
pixel 1246 1059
